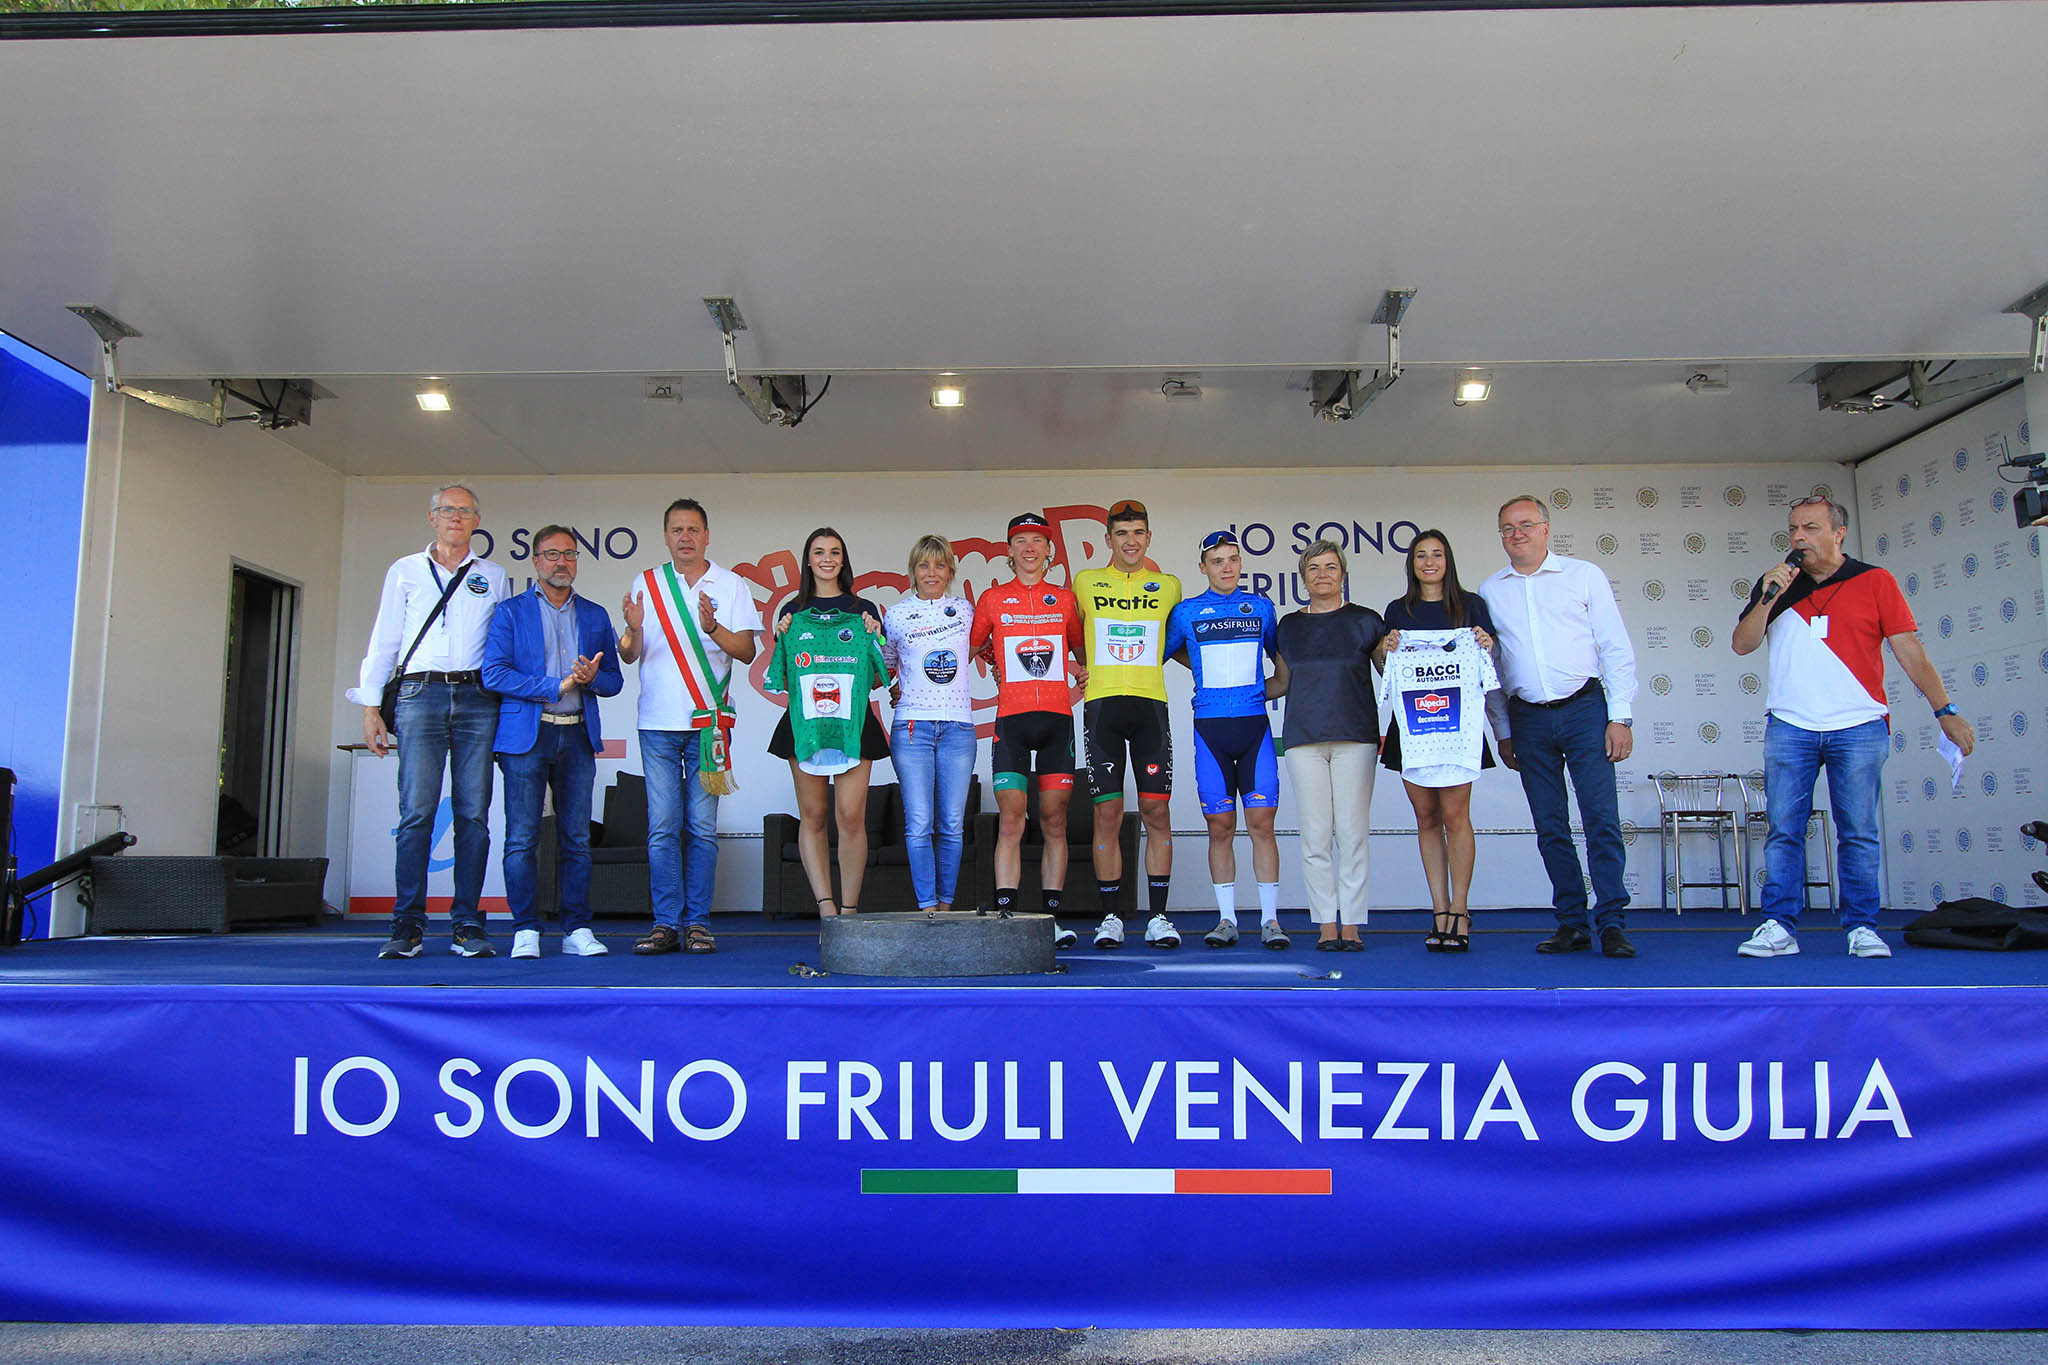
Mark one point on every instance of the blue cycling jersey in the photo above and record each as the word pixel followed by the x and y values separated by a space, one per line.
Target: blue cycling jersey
pixel 1228 640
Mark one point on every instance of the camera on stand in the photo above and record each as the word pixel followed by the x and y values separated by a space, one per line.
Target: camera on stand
pixel 2030 503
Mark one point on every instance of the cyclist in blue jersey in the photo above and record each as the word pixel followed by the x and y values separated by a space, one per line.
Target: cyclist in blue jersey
pixel 1225 636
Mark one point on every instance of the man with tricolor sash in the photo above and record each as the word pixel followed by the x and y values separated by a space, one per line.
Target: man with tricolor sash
pixel 687 623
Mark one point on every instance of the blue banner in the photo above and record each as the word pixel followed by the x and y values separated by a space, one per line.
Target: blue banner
pixel 1680 1159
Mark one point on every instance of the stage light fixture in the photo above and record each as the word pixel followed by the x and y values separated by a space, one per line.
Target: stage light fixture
pixel 776 400
pixel 432 399
pixel 1472 386
pixel 947 393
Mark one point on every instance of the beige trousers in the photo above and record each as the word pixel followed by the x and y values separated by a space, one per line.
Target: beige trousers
pixel 1333 807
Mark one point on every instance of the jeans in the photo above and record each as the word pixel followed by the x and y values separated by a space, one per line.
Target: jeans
pixel 682 862
pixel 934 762
pixel 449 725
pixel 1548 740
pixel 559 761
pixel 1793 758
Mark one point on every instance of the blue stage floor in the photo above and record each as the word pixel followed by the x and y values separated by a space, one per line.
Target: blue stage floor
pixel 1693 950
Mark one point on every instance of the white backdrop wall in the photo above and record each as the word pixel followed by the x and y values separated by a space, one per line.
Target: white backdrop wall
pixel 1935 512
pixel 1681 546
pixel 171 507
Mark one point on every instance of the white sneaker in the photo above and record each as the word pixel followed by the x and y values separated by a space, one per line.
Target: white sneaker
pixel 1772 940
pixel 580 943
pixel 1063 937
pixel 1864 942
pixel 1160 933
pixel 526 943
pixel 1109 933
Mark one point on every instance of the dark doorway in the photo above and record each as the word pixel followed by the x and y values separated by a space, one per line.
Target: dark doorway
pixel 255 735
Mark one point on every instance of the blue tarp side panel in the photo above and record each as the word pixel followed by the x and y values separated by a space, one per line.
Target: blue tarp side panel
pixel 1873 1158
pixel 44 413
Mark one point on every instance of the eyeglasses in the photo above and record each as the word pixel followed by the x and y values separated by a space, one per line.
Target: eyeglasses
pixel 1522 528
pixel 464 512
pixel 556 556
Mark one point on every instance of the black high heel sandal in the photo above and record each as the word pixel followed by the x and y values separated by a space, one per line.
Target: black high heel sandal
pixel 1438 931
pixel 1458 943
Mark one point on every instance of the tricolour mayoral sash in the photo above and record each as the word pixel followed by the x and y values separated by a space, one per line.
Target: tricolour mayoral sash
pixel 714 716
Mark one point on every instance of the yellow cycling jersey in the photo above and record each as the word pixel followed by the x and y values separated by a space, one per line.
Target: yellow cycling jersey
pixel 1123 616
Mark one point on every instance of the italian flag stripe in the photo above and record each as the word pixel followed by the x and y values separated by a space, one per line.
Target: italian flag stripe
pixel 1095 1180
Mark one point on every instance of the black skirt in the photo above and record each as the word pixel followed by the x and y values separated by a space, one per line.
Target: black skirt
pixel 874 740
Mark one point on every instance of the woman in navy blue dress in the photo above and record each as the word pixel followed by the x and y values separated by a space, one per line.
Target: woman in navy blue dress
pixel 1435 600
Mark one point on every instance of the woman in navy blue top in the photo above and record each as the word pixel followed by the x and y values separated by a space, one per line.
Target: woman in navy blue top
pixel 1435 600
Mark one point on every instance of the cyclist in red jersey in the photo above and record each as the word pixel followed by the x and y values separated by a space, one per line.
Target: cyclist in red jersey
pixel 1029 629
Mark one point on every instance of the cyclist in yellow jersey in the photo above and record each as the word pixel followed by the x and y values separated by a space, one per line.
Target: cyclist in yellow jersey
pixel 1123 619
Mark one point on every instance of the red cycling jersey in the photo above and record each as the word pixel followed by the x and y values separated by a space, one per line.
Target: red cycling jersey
pixel 1033 629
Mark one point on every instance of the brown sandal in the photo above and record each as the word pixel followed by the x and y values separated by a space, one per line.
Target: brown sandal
pixel 661 940
pixel 697 939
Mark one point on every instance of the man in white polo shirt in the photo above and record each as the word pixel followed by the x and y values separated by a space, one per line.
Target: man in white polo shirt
pixel 1570 674
pixel 687 622
pixel 432 619
pixel 1825 621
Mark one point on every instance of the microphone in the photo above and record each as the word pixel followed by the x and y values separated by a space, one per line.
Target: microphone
pixel 1795 559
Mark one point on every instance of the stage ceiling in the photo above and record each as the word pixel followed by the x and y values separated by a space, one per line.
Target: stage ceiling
pixel 1590 202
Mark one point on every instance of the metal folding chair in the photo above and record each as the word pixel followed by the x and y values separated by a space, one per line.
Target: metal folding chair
pixel 1690 805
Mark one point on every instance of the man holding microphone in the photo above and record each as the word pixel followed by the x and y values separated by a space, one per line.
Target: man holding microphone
pixel 1825 620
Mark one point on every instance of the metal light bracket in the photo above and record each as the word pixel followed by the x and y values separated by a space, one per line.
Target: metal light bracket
pixel 1337 395
pixel 2035 306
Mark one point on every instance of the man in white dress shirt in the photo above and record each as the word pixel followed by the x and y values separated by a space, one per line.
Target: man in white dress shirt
pixel 1570 675
pixel 445 717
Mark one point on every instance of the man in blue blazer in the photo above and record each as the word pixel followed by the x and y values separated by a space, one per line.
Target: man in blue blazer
pixel 549 656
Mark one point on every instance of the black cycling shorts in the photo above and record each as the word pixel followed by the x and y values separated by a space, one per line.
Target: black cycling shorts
pixel 1048 735
pixel 1109 724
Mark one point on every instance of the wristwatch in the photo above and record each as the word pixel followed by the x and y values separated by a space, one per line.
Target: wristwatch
pixel 1947 710
pixel 1629 723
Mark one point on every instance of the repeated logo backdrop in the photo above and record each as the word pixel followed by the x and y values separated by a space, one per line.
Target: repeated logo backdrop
pixel 1935 512
pixel 1681 547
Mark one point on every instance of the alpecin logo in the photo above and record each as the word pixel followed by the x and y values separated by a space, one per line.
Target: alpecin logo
pixel 1990 784
pixel 1743 587
pixel 1710 732
pixel 1560 498
pixel 1905 841
pixel 1980 675
pixel 1962 460
pixel 1733 495
pixel 1607 545
pixel 1927 788
pixel 1912 585
pixel 1661 685
pixel 1654 590
pixel 1884 545
pixel 1751 684
pixel 1646 497
pixel 1905 485
pixel 1432 702
pixel 1936 523
pixel 1781 542
pixel 1695 544
pixel 2019 724
pixel 1946 625
pixel 1969 566
pixel 1962 841
pixel 1702 637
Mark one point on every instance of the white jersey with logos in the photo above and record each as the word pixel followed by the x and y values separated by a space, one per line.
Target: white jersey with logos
pixel 925 642
pixel 1434 687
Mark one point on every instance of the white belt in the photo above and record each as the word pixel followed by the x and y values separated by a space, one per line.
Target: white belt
pixel 555 718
